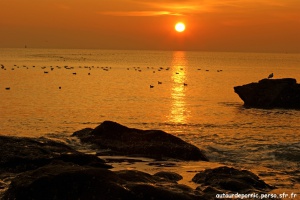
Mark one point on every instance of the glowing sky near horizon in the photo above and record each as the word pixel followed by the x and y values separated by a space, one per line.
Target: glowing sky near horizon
pixel 213 25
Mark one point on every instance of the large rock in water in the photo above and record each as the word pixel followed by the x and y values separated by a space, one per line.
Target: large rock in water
pixel 19 154
pixel 228 179
pixel 121 140
pixel 271 93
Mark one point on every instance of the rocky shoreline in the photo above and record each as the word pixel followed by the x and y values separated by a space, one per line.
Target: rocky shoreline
pixel 40 168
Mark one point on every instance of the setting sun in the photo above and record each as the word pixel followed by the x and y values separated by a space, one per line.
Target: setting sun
pixel 180 27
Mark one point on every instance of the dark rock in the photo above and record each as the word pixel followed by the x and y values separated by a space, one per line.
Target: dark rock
pixel 172 176
pixel 122 140
pixel 52 170
pixel 22 154
pixel 271 93
pixel 210 192
pixel 136 176
pixel 157 192
pixel 68 181
pixel 230 179
pixel 2 185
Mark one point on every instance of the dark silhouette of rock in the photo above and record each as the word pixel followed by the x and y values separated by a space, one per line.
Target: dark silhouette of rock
pixel 172 176
pixel 271 93
pixel 121 140
pixel 22 154
pixel 46 169
pixel 231 179
pixel 67 182
pixel 56 181
pixel 158 192
pixel 136 176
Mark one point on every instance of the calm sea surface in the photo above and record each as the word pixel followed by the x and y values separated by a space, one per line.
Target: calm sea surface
pixel 98 85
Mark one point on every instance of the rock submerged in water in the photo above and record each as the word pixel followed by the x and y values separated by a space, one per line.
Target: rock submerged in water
pixel 271 93
pixel 121 140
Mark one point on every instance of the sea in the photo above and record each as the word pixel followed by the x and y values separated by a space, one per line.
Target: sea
pixel 54 92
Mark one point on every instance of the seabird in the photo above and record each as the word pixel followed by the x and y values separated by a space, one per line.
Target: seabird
pixel 271 75
pixel 151 86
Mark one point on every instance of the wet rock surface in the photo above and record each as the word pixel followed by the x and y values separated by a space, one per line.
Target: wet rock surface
pixel 121 140
pixel 22 154
pixel 66 181
pixel 44 169
pixel 231 180
pixel 172 176
pixel 271 93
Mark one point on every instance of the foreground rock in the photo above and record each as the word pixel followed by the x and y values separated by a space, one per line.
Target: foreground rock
pixel 66 181
pixel 57 181
pixel 271 93
pixel 44 169
pixel 227 179
pixel 121 140
pixel 23 154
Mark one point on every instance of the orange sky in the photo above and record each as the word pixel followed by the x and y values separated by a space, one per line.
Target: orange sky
pixel 211 25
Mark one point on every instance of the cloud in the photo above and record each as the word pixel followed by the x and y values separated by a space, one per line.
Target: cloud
pixel 152 8
pixel 139 13
pixel 195 7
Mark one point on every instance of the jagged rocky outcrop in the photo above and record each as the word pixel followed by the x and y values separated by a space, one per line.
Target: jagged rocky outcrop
pixel 271 93
pixel 121 140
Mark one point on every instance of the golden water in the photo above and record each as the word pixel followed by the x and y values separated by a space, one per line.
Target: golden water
pixel 115 85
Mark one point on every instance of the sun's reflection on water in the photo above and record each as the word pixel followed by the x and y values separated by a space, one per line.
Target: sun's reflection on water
pixel 178 111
